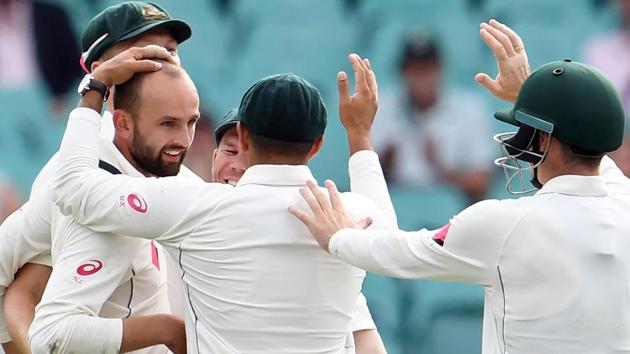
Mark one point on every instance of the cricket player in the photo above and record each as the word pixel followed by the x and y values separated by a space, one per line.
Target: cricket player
pixel 140 286
pixel 228 165
pixel 554 265
pixel 254 281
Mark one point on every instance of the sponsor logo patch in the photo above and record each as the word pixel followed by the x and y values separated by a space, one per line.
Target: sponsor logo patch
pixel 89 268
pixel 137 203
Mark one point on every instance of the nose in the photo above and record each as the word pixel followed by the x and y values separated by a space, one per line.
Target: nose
pixel 185 138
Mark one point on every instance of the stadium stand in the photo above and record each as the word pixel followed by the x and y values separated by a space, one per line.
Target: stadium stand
pixel 236 42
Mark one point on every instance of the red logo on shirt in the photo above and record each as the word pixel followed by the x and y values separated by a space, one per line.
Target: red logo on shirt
pixel 90 268
pixel 137 203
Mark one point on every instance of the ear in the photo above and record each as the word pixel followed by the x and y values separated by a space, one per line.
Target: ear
pixel 243 137
pixel 95 64
pixel 317 145
pixel 543 139
pixel 123 124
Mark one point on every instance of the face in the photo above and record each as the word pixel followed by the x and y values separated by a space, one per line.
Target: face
pixel 227 160
pixel 422 78
pixel 162 129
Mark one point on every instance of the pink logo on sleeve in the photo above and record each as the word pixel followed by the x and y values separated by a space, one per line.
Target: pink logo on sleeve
pixel 90 267
pixel 137 203
pixel 440 235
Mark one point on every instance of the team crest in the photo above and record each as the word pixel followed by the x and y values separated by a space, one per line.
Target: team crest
pixel 152 13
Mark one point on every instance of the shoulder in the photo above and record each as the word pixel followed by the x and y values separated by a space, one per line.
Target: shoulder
pixel 188 173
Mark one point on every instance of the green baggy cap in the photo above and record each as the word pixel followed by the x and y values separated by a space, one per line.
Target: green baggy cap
pixel 284 107
pixel 228 121
pixel 124 21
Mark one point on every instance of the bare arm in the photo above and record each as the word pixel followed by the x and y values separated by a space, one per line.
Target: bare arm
pixel 368 342
pixel 11 348
pixel 146 331
pixel 20 300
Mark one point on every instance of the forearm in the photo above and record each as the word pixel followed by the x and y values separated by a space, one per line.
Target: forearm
pixel 368 342
pixel 11 348
pixel 78 156
pixel 358 140
pixel 366 178
pixel 19 310
pixel 146 331
pixel 20 300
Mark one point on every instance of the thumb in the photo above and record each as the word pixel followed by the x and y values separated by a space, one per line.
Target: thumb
pixel 488 83
pixel 364 223
pixel 343 87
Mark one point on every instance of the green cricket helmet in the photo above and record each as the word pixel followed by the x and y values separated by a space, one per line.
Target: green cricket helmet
pixel 574 103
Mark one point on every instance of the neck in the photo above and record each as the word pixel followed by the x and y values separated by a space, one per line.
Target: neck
pixel 255 158
pixel 124 150
pixel 578 170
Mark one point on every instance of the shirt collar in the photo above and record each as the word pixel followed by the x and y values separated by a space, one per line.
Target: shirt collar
pixel 276 175
pixel 575 185
pixel 110 154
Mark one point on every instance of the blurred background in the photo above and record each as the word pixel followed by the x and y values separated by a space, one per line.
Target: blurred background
pixel 433 130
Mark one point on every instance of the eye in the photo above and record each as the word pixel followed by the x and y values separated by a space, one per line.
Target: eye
pixel 168 123
pixel 230 152
pixel 172 51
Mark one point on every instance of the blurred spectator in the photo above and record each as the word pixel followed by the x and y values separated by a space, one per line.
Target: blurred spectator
pixel 10 199
pixel 611 54
pixel 42 45
pixel 426 134
pixel 199 155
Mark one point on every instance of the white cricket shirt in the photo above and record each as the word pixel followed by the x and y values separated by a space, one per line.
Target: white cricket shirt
pixel 555 266
pixel 256 281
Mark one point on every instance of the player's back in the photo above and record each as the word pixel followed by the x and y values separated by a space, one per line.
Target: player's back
pixel 259 283
pixel 565 272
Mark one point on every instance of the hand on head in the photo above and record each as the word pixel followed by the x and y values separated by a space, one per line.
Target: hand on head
pixel 123 66
pixel 511 57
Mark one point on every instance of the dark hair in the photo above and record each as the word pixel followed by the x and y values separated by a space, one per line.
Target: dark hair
pixel 127 94
pixel 576 157
pixel 297 150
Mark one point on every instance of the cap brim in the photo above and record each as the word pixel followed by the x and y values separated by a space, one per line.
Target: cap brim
pixel 222 129
pixel 180 30
pixel 507 116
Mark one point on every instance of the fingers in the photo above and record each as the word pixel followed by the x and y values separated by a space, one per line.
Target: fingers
pixel 154 52
pixel 320 196
pixel 360 77
pixel 371 79
pixel 516 40
pixel 497 48
pixel 501 38
pixel 364 223
pixel 343 87
pixel 309 198
pixel 145 66
pixel 302 216
pixel 335 198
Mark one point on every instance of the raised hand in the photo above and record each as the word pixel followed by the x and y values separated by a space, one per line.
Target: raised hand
pixel 511 57
pixel 123 66
pixel 357 111
pixel 329 214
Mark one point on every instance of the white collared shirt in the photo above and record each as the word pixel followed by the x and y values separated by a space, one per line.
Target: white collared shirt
pixel 256 280
pixel 130 279
pixel 554 265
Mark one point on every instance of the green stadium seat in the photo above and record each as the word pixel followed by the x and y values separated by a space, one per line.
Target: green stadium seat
pixel 428 207
pixel 30 134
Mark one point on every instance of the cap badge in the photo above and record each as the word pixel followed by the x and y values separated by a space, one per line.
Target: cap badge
pixel 152 13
